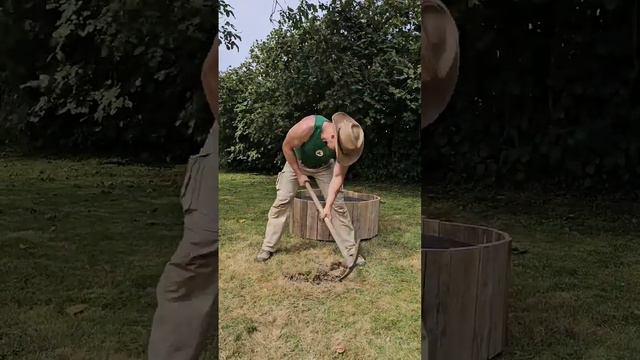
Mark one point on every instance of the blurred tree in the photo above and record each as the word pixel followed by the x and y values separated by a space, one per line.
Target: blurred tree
pixel 121 77
pixel 548 92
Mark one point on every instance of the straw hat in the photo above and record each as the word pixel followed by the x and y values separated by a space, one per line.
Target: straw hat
pixel 350 139
pixel 440 59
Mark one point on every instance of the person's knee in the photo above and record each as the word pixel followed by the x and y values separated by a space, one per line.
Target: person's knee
pixel 282 201
pixel 205 240
pixel 183 280
pixel 176 283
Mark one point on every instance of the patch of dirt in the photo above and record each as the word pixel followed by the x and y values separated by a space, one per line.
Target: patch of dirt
pixel 324 273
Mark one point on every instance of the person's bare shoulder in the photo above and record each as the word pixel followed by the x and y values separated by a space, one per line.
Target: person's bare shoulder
pixel 306 122
pixel 301 131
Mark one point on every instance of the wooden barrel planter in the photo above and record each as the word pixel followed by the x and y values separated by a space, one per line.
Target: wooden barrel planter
pixel 466 272
pixel 363 209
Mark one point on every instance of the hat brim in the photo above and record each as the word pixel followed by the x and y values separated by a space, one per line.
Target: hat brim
pixel 344 159
pixel 438 89
pixel 436 94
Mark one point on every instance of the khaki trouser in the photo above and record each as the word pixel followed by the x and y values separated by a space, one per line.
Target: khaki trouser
pixel 286 187
pixel 187 292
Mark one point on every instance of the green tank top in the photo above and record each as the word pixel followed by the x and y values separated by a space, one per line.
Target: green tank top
pixel 314 153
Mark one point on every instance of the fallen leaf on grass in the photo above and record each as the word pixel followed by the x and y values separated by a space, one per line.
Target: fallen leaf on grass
pixel 76 309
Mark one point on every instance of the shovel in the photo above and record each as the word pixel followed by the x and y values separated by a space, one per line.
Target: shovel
pixel 333 232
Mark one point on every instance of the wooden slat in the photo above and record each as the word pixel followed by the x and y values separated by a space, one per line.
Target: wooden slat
pixel 371 218
pixel 430 227
pixel 374 214
pixel 462 296
pixel 482 326
pixel 311 229
pixel 448 230
pixel 485 236
pixel 470 235
pixel 435 304
pixel 302 214
pixel 357 215
pixel 293 220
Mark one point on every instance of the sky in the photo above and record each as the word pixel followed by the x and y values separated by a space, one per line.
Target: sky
pixel 252 23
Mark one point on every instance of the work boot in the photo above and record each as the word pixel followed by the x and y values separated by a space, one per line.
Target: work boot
pixel 264 255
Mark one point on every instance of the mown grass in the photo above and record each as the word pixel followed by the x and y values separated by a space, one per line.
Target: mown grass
pixel 95 234
pixel 576 281
pixel 374 314
pixel 98 235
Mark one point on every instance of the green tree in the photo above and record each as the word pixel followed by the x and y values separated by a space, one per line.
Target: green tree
pixel 352 56
pixel 121 77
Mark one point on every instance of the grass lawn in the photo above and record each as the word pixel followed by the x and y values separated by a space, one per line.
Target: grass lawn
pixel 83 244
pixel 576 289
pixel 373 314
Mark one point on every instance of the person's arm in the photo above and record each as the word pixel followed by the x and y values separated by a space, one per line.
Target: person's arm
pixel 339 173
pixel 296 136
pixel 209 77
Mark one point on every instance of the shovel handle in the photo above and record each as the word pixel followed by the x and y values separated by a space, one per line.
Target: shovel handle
pixel 320 210
pixel 332 230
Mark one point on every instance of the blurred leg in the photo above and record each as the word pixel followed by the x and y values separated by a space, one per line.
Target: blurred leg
pixel 187 292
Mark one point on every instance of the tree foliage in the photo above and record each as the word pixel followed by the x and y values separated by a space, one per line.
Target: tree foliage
pixel 353 56
pixel 115 77
pixel 548 92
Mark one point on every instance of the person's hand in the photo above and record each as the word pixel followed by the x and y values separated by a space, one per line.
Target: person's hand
pixel 326 213
pixel 302 178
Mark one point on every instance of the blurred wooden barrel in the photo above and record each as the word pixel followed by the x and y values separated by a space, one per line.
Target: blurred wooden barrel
pixel 466 272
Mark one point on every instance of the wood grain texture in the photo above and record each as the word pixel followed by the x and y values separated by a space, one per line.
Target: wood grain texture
pixel 464 290
pixel 363 209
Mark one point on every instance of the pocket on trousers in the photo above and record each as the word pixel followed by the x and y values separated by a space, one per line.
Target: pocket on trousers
pixel 278 179
pixel 193 181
